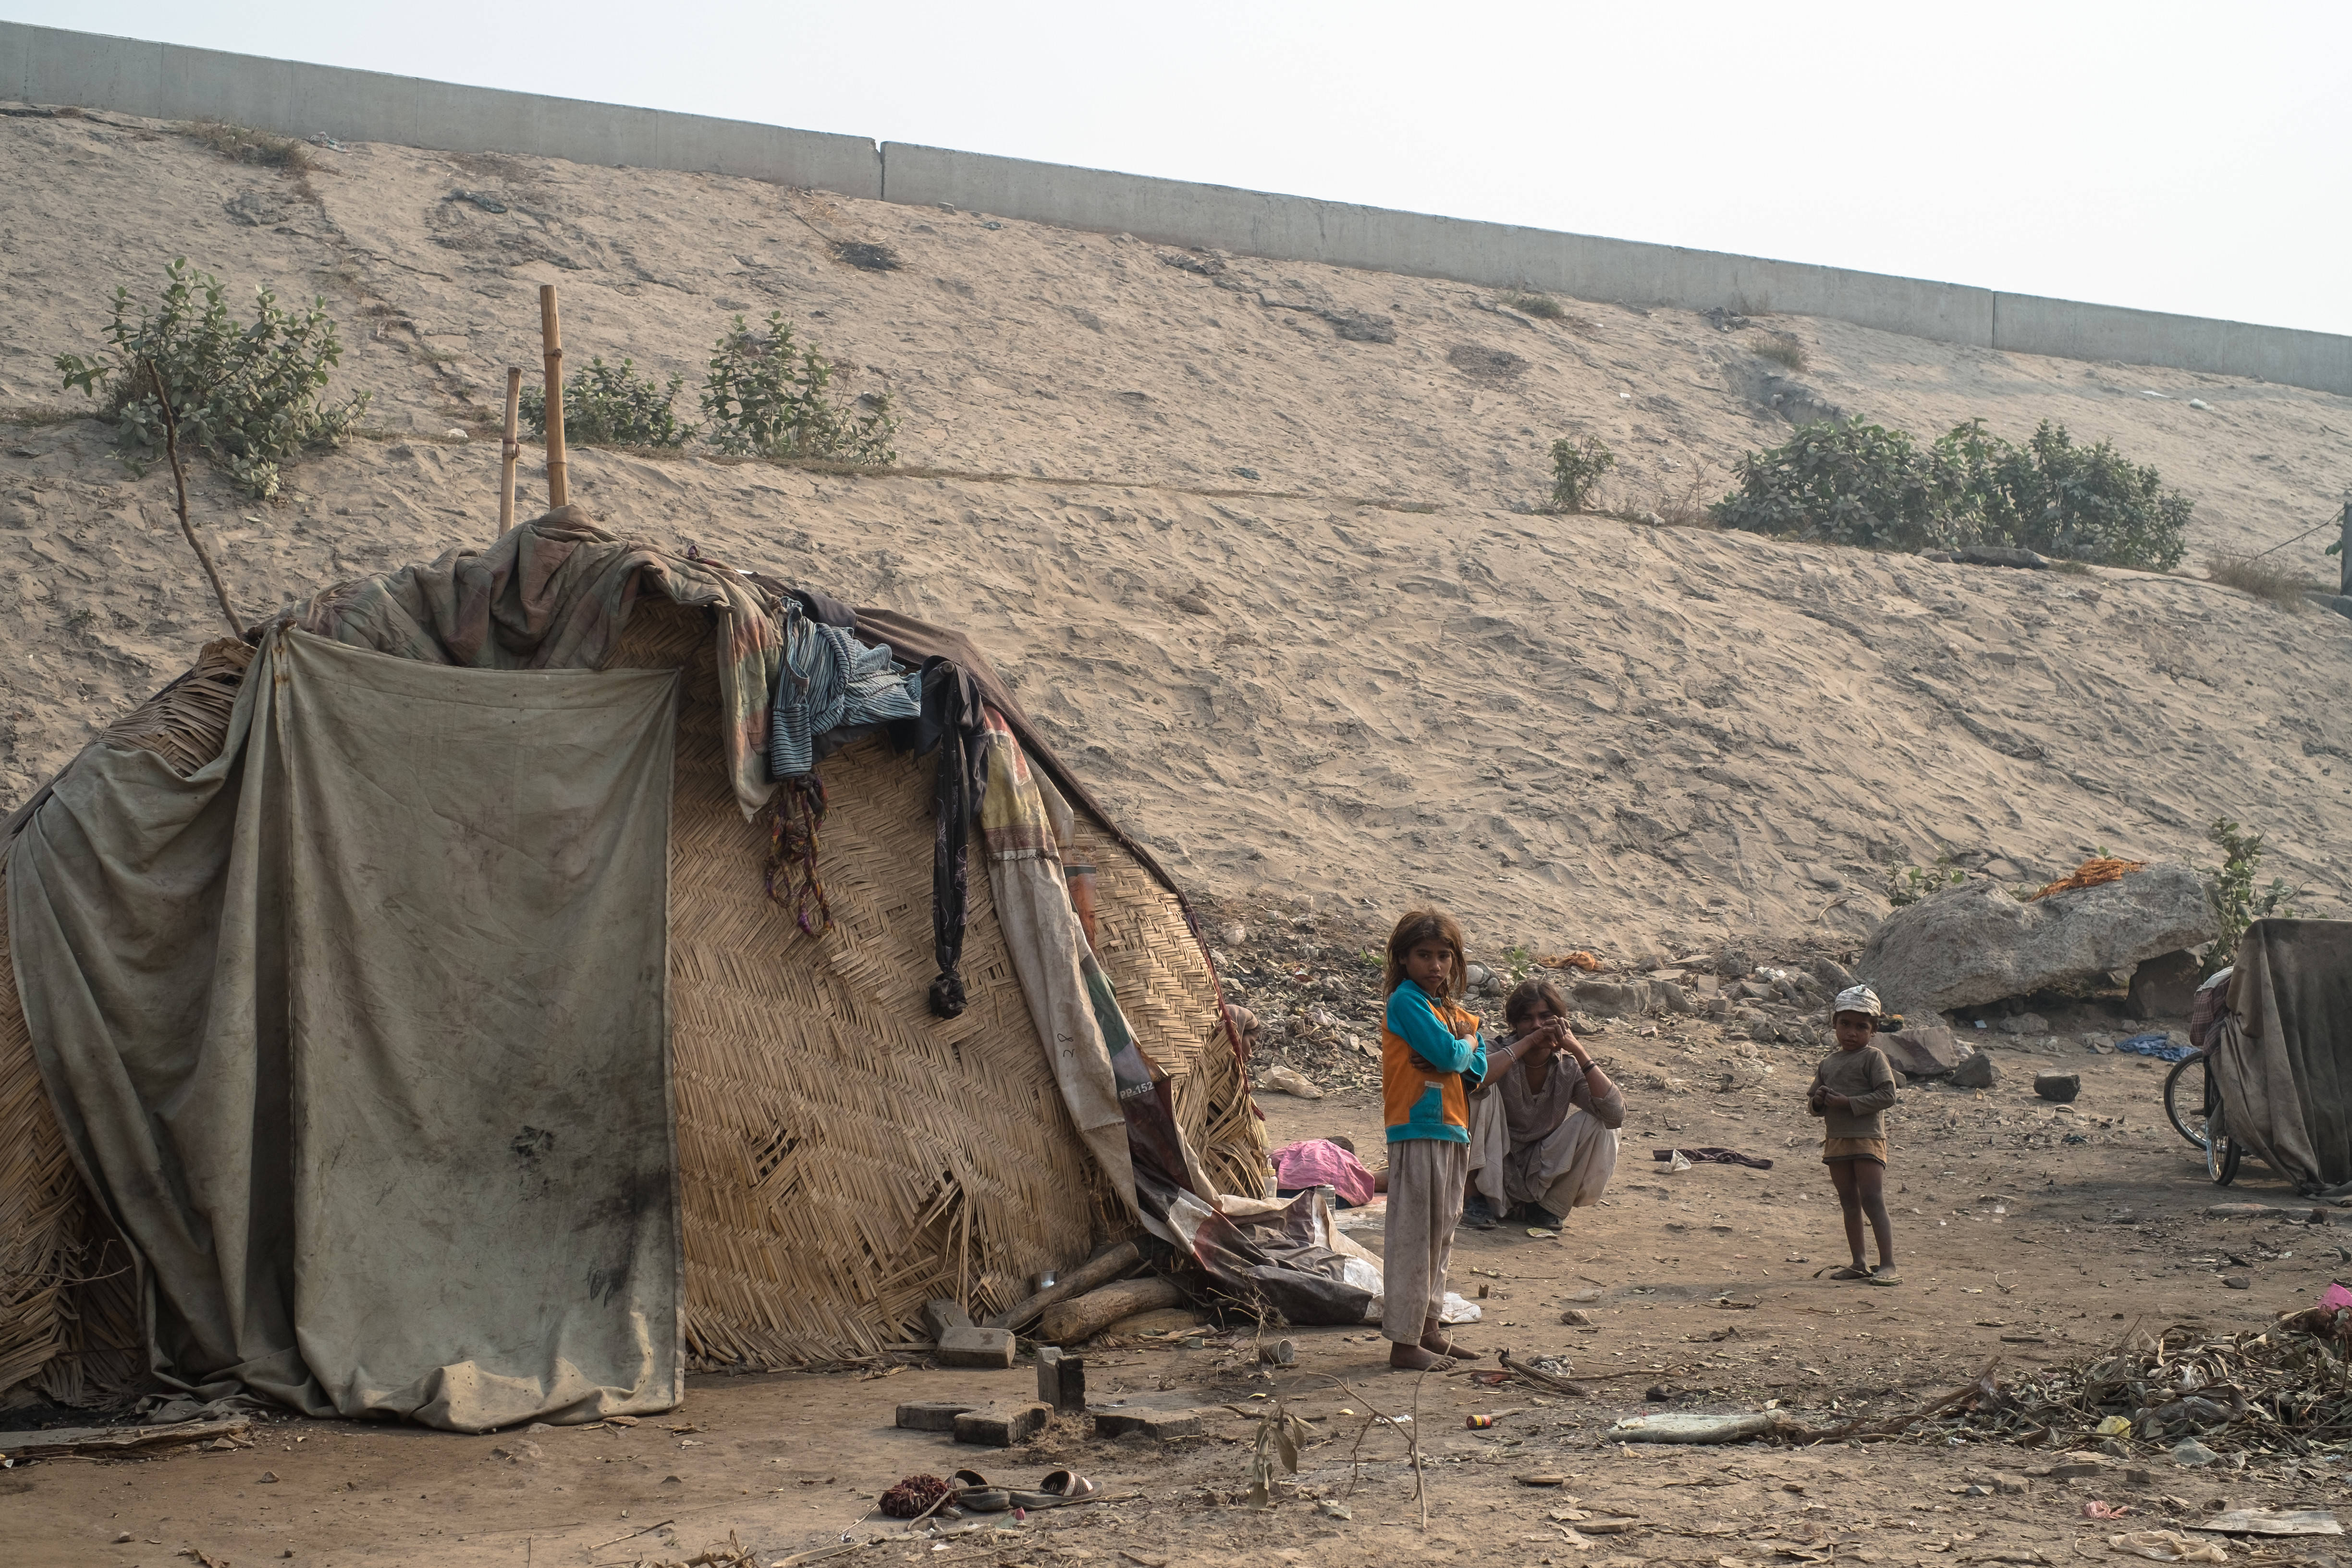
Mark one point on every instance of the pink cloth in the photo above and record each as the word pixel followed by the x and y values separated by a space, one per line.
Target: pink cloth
pixel 1319 1162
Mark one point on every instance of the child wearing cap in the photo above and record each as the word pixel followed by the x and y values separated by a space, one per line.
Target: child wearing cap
pixel 1850 1092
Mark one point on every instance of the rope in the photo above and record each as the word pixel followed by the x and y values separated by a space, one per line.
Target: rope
pixel 2335 521
pixel 798 813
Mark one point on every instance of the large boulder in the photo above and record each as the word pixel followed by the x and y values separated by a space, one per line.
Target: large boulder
pixel 1974 943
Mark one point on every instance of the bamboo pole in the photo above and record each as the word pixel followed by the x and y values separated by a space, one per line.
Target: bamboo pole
pixel 550 334
pixel 510 450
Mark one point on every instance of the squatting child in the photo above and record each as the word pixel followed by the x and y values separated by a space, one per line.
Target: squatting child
pixel 1429 1047
pixel 1850 1092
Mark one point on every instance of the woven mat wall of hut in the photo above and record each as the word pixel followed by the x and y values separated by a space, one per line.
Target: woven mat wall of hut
pixel 844 1156
pixel 1164 987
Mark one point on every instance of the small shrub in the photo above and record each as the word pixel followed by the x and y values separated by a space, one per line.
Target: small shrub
pixel 1784 351
pixel 1847 482
pixel 247 398
pixel 243 144
pixel 1576 467
pixel 2233 891
pixel 2250 575
pixel 1543 307
pixel 612 406
pixel 1909 884
pixel 768 396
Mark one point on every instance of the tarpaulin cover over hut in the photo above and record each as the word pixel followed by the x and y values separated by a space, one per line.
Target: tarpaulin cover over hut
pixel 489 990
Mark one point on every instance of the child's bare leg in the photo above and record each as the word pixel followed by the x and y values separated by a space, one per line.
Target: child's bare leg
pixel 1870 1187
pixel 1842 1177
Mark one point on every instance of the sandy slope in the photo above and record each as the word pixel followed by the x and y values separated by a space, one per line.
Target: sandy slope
pixel 1363 672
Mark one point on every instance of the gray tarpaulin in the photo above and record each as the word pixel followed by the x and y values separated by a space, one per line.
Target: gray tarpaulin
pixel 2282 1054
pixel 360 1031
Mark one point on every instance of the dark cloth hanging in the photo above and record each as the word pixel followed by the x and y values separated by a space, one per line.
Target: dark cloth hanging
pixel 953 722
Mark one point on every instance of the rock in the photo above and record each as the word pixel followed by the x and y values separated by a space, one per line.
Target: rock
pixel 1671 997
pixel 2193 1454
pixel 2023 1024
pixel 932 1414
pixel 939 1317
pixel 2164 986
pixel 1479 976
pixel 1611 1000
pixel 1821 877
pixel 1975 1071
pixel 1235 933
pixel 1834 976
pixel 1929 1051
pixel 1575 1319
pixel 2000 555
pixel 2062 1087
pixel 1732 964
pixel 1001 1425
pixel 1973 944
pixel 976 1347
pixel 2238 1281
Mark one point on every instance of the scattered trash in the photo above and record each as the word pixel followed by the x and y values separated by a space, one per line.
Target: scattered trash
pixel 2193 1454
pixel 2159 1046
pixel 1684 1159
pixel 2106 1510
pixel 1542 1235
pixel 1289 1080
pixel 2264 1521
pixel 914 1497
pixel 2168 1546
pixel 2115 1425
pixel 1543 1481
pixel 1454 1309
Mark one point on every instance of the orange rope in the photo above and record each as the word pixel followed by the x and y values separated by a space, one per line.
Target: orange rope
pixel 2089 874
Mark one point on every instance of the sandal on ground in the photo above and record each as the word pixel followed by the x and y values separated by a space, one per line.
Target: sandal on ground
pixel 975 1492
pixel 1478 1214
pixel 1849 1272
pixel 1058 1487
pixel 1885 1274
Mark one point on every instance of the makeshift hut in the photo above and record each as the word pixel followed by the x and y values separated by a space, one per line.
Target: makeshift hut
pixel 434 1004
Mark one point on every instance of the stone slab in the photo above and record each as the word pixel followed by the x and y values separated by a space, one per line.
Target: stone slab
pixel 991 1348
pixel 1001 1425
pixel 932 1414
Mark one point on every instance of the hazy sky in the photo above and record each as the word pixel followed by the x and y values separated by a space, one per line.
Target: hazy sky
pixel 2195 158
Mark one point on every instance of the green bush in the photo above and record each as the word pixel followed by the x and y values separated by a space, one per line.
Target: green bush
pixel 1847 482
pixel 770 395
pixel 1576 467
pixel 2233 891
pixel 612 406
pixel 247 398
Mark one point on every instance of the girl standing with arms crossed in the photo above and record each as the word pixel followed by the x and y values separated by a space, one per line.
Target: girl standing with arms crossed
pixel 1429 1046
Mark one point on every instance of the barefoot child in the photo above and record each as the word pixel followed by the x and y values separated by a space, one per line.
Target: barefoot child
pixel 1848 1093
pixel 1428 1045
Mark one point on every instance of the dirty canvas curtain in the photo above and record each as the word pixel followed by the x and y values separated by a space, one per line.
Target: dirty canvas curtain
pixel 2282 1054
pixel 359 1033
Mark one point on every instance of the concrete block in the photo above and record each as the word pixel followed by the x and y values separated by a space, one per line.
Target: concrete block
pixel 991 1348
pixel 1062 1381
pixel 1118 1421
pixel 1001 1425
pixel 932 1414
pixel 939 1317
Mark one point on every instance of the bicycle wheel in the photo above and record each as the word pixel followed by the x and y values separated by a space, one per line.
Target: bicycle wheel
pixel 2185 1098
pixel 2222 1150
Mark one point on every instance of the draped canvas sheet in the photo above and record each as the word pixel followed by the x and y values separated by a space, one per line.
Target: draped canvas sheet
pixel 360 1031
pixel 2283 1052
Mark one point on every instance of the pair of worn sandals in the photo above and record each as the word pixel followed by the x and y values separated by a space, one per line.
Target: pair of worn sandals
pixel 1884 1274
pixel 975 1493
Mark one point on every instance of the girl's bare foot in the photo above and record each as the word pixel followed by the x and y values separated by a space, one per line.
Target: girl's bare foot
pixel 1433 1340
pixel 1412 1358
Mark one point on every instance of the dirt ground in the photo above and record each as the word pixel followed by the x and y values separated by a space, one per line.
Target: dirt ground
pixel 2020 1250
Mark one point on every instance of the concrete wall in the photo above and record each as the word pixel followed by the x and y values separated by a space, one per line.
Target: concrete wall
pixel 166 82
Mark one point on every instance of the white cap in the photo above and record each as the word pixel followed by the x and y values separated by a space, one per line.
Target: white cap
pixel 1856 999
